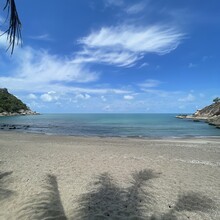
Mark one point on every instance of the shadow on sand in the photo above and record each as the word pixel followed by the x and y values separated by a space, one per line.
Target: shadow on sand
pixel 191 202
pixel 110 201
pixel 5 178
pixel 107 200
pixel 46 205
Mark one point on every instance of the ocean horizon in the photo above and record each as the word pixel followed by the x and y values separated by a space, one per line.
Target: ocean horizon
pixel 142 125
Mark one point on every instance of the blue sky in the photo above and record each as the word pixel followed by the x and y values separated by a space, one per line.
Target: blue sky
pixel 151 56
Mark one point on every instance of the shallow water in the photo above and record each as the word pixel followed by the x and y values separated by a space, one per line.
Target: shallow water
pixel 109 125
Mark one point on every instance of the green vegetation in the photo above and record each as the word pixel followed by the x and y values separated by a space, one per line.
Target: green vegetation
pixel 9 103
pixel 217 99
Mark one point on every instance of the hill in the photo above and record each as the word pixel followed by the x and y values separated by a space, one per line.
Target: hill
pixel 209 111
pixel 210 114
pixel 11 105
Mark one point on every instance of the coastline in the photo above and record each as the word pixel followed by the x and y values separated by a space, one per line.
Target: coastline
pixel 186 138
pixel 82 176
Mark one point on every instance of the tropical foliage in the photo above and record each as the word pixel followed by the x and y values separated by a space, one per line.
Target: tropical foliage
pixel 9 103
pixel 14 27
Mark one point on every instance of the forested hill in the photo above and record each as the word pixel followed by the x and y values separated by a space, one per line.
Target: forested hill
pixel 11 105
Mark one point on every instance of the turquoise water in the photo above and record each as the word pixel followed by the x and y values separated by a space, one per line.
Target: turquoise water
pixel 110 125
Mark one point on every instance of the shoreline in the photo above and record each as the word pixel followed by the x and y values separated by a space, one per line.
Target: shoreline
pixel 108 178
pixel 149 138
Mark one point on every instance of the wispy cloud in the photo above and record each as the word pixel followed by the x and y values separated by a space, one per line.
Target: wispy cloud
pixel 150 83
pixel 37 69
pixel 40 66
pixel 155 39
pixel 143 65
pixel 43 37
pixel 136 8
pixel 107 56
pixel 124 45
pixel 188 98
pixel 113 3
pixel 160 93
pixel 39 72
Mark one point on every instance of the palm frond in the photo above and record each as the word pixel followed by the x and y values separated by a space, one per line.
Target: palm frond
pixel 14 30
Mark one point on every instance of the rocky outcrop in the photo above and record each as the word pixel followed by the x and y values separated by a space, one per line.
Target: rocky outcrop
pixel 20 112
pixel 209 111
pixel 12 106
pixel 209 114
pixel 214 121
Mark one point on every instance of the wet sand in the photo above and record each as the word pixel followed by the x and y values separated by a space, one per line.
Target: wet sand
pixel 54 177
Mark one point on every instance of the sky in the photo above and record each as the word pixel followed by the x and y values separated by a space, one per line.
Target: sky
pixel 114 56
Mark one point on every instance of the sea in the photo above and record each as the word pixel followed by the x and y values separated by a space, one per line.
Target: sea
pixel 110 125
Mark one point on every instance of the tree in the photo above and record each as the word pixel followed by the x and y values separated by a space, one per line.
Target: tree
pixel 217 99
pixel 14 29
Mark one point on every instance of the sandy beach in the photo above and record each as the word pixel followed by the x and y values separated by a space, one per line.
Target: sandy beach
pixel 54 177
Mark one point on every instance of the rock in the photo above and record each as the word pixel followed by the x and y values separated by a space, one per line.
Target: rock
pixel 209 114
pixel 215 120
pixel 181 116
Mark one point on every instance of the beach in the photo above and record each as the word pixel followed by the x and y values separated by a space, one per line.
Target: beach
pixel 66 177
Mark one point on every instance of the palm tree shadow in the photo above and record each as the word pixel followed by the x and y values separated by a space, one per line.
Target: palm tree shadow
pixel 109 201
pixel 102 202
pixel 139 200
pixel 191 202
pixel 5 193
pixel 45 205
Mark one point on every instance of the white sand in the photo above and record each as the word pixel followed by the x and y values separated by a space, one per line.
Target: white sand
pixel 51 177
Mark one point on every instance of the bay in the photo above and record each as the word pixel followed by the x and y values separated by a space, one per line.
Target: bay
pixel 110 125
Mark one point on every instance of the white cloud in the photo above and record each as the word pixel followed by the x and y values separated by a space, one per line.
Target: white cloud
pixel 5 43
pixel 150 83
pixel 49 97
pixel 3 40
pixel 154 39
pixel 188 98
pixel 46 98
pixel 123 45
pixel 136 8
pixel 39 71
pixel 32 96
pixel 83 96
pixel 128 97
pixel 41 66
pixel 111 57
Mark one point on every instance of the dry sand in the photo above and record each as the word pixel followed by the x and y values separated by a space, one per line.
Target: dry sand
pixel 51 177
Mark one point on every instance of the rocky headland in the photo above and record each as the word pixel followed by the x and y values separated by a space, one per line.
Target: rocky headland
pixel 12 106
pixel 209 114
